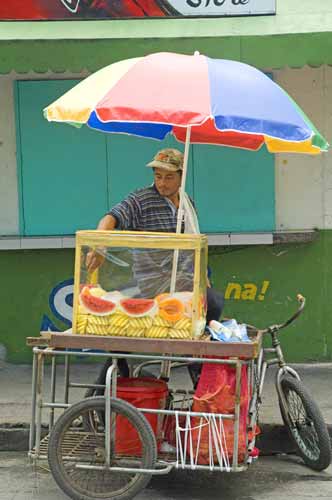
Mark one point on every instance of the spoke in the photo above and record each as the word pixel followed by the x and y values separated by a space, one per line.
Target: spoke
pixel 312 439
pixel 303 429
pixel 84 440
pixel 296 409
pixel 297 405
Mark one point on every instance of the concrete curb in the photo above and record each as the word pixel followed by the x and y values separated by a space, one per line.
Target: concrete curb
pixel 273 439
pixel 14 437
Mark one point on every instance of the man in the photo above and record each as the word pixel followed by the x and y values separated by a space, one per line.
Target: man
pixel 154 208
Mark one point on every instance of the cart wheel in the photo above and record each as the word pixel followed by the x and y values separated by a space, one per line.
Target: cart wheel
pixel 72 445
pixel 305 424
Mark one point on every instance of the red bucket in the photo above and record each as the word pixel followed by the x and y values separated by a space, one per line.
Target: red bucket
pixel 142 392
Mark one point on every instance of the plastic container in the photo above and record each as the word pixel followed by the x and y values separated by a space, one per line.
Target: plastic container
pixel 137 290
pixel 220 328
pixel 142 392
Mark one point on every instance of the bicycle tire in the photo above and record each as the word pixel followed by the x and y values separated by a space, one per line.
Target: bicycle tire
pixel 306 425
pixel 68 439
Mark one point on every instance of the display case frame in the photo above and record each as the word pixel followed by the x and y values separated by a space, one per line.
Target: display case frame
pixel 145 240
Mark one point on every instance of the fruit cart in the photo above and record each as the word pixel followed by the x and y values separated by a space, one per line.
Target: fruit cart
pixel 107 447
pixel 83 445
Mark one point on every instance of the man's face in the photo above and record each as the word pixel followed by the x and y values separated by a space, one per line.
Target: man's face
pixel 167 183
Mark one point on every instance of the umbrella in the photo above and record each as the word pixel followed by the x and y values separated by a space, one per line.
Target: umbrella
pixel 193 97
pixel 225 102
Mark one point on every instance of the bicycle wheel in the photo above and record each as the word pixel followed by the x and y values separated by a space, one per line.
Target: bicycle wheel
pixel 72 445
pixel 305 424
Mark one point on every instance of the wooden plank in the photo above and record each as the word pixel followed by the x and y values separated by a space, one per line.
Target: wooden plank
pixel 46 335
pixel 155 346
pixel 37 341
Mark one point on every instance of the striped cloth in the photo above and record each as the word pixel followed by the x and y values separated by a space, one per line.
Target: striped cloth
pixel 146 210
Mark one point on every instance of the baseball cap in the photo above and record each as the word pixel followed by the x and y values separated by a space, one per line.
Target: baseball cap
pixel 169 159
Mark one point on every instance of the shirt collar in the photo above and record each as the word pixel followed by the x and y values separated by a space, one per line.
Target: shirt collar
pixel 169 202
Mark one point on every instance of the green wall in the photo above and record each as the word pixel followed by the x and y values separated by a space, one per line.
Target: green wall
pixel 272 51
pixel 27 280
pixel 285 270
pixel 29 276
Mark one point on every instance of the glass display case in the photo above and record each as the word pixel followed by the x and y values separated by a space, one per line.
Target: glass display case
pixel 135 284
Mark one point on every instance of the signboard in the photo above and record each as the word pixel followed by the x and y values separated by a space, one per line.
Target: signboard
pixel 114 9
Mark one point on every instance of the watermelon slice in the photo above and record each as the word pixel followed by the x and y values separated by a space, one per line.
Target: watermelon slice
pixel 96 305
pixel 138 307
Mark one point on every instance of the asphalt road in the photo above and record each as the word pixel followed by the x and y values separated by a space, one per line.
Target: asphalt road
pixel 270 478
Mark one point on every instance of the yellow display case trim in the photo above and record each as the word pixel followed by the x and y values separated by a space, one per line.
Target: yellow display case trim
pixel 134 239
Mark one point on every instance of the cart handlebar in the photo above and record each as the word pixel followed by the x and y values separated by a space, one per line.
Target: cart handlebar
pixel 275 328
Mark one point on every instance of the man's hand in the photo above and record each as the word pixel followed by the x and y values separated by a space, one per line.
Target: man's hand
pixel 94 260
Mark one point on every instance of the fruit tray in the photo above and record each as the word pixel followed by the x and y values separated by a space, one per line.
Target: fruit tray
pixel 147 285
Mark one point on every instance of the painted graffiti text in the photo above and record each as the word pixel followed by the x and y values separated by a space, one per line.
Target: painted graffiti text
pixel 247 291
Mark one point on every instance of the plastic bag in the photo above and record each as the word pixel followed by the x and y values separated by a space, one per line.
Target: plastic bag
pixel 215 393
pixel 228 331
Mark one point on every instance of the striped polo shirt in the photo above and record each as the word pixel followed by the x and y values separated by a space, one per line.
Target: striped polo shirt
pixel 146 210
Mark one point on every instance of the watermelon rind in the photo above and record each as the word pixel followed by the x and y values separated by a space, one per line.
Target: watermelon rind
pixel 143 304
pixel 96 305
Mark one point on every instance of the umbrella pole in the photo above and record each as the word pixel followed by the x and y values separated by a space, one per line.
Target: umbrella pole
pixel 180 209
pixel 165 369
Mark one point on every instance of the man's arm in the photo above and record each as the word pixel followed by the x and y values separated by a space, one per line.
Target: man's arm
pixel 125 216
pixel 107 223
pixel 95 259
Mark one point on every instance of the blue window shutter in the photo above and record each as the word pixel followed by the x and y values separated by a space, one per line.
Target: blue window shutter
pixel 234 189
pixel 70 177
pixel 63 169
